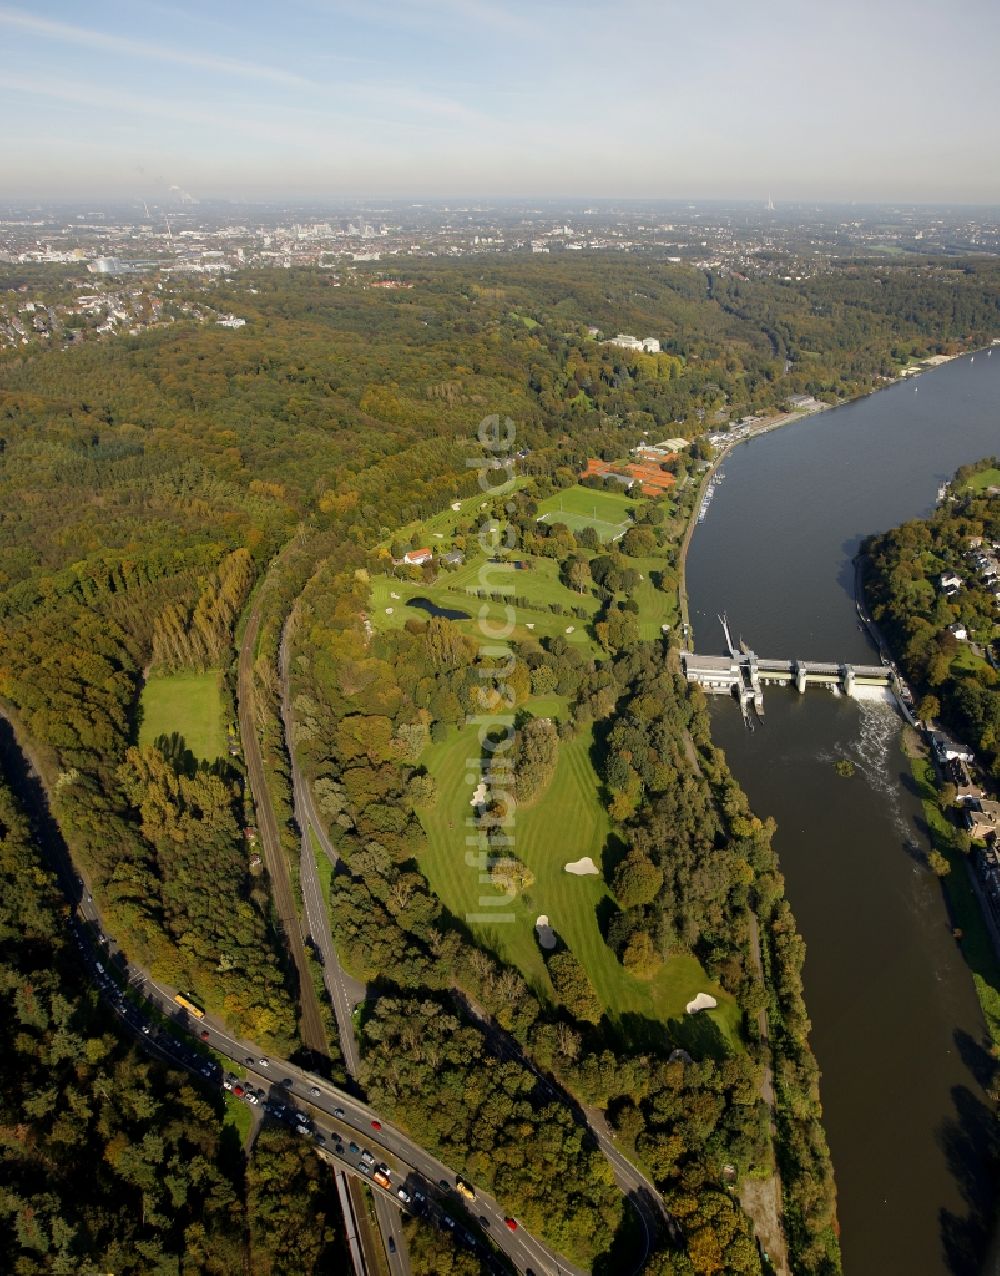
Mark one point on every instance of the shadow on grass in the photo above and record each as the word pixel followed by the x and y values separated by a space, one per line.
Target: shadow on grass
pixel 699 1035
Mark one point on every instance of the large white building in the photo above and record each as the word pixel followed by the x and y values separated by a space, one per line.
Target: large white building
pixel 627 342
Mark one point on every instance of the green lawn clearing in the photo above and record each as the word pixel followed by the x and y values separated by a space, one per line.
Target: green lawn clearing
pixel 188 703
pixel 567 822
pixel 656 607
pixel 239 1116
pixel 967 662
pixel 984 479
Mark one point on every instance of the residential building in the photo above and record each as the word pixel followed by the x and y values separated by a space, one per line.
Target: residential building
pixel 982 819
pixel 945 749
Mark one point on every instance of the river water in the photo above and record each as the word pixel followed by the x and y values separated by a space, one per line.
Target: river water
pixel 897 1029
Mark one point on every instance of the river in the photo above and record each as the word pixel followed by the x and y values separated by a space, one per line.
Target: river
pixel 897 1028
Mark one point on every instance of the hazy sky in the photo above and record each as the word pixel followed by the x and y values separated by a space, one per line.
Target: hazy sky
pixel 856 100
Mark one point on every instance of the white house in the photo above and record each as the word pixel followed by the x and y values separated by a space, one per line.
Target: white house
pixel 945 748
pixel 949 580
pixel 959 631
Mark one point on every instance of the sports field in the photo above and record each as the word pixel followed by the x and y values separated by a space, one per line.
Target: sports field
pixel 566 823
pixel 578 507
pixel 188 703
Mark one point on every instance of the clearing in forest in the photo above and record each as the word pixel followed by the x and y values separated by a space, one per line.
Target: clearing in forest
pixel 188 703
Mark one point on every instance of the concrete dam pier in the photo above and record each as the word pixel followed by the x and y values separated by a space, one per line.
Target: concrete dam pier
pixel 743 674
pixel 730 673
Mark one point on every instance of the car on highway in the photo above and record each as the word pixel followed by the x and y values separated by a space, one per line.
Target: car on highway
pixel 339 1112
pixel 403 1195
pixel 262 1062
pixel 315 1091
pixel 511 1223
pixel 204 1034
pixel 392 1245
pixel 376 1125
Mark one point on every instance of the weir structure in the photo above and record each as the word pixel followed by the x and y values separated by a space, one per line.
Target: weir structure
pixel 743 674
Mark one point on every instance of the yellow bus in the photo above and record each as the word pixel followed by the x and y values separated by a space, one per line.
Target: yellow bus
pixel 189 1006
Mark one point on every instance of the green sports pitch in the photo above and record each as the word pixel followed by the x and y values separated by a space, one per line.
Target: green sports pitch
pixel 578 507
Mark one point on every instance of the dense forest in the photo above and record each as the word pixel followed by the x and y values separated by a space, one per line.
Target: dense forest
pixel 145 484
pixel 922 616
pixel 163 1185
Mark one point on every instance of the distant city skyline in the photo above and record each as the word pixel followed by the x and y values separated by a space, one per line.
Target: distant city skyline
pixel 340 99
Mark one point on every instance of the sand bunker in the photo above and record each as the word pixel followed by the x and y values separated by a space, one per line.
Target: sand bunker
pixel 479 794
pixel 388 611
pixel 396 596
pixel 581 867
pixel 569 629
pixel 702 1002
pixel 546 935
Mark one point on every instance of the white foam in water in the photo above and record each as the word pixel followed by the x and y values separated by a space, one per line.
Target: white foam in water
pixel 872 751
pixel 880 695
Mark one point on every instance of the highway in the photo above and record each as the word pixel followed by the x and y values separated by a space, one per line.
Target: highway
pixel 332 1115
